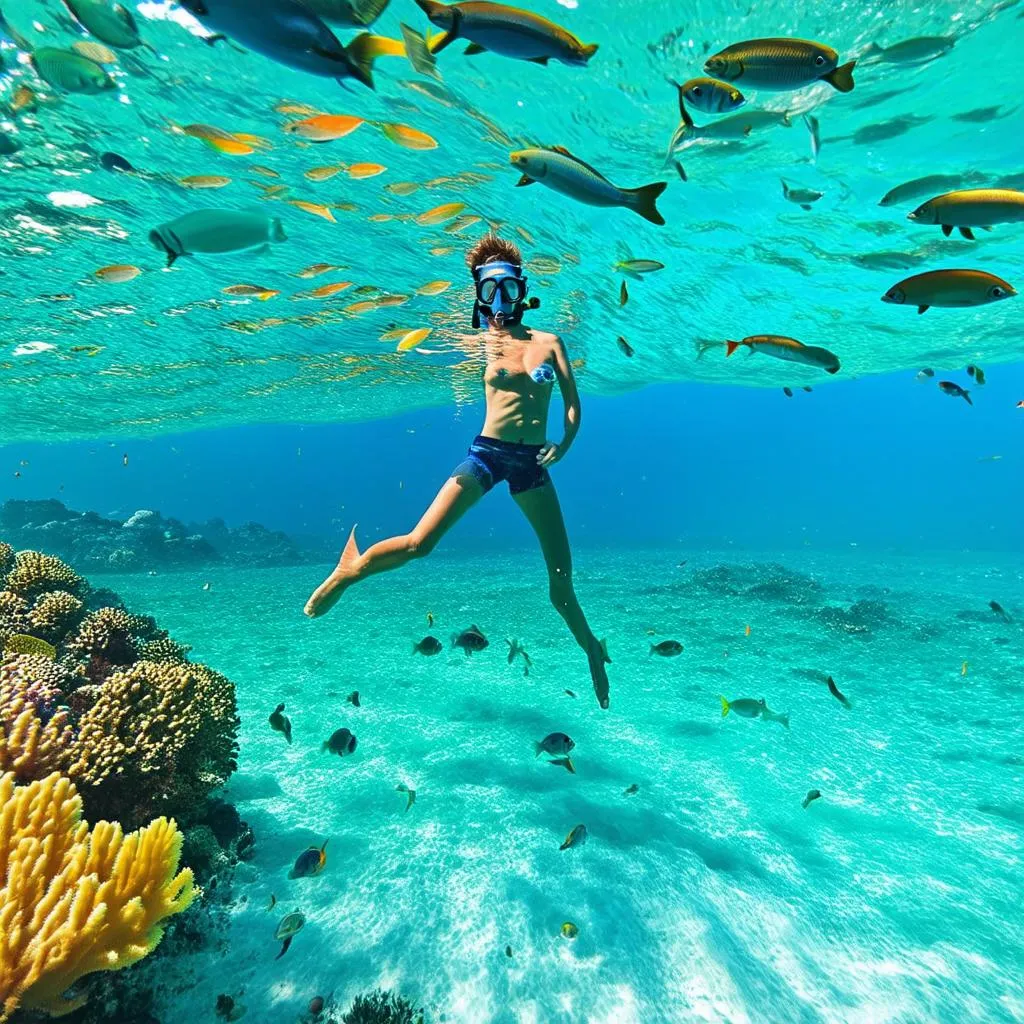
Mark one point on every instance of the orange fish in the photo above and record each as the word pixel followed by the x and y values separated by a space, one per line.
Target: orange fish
pixel 324 127
pixel 439 214
pixel 204 181
pixel 218 139
pixel 316 269
pixel 410 138
pixel 413 338
pixel 251 290
pixel 327 290
pixel 256 141
pixel 317 209
pixel 748 631
pixel 23 99
pixel 118 273
pixel 358 308
pixel 365 170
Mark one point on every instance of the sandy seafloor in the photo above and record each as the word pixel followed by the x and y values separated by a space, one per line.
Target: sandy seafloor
pixel 710 895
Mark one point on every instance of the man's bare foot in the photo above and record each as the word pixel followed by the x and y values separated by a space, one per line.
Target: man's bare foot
pixel 597 655
pixel 325 597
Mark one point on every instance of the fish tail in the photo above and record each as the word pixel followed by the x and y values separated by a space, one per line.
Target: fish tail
pixel 730 347
pixel 539 749
pixel 842 77
pixel 363 51
pixel 784 719
pixel 324 747
pixel 651 651
pixel 588 50
pixel 415 647
pixel 725 705
pixel 645 199
pixel 967 396
pixel 366 12
pixel 277 232
pixel 785 187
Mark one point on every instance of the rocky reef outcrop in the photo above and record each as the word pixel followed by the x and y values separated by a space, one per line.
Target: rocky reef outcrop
pixel 142 542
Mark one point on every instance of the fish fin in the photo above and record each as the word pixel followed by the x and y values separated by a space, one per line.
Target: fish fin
pixel 679 169
pixel 525 180
pixel 588 50
pixel 967 396
pixel 363 51
pixel 560 149
pixel 787 121
pixel 366 12
pixel 539 748
pixel 474 48
pixel 785 188
pixel 725 705
pixel 805 206
pixel 603 644
pixel 730 347
pixel 324 746
pixel 651 651
pixel 646 198
pixel 967 233
pixel 539 60
pixel 842 77
pixel 474 628
pixel 947 229
pixel 921 309
pixel 415 647
pixel 284 947
pixel 784 719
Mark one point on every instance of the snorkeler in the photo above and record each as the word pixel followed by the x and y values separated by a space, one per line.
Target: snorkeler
pixel 521 369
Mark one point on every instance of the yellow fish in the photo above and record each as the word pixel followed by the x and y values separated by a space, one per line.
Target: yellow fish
pixel 393 300
pixel 461 223
pixel 323 173
pixel 20 643
pixel 204 181
pixel 256 141
pixel 253 290
pixel 299 109
pixel 94 51
pixel 317 209
pixel 118 273
pixel 396 334
pixel 963 669
pixel 413 338
pixel 23 99
pixel 365 170
pixel 439 214
pixel 327 290
pixel 433 288
pixel 401 188
pixel 410 138
pixel 380 218
pixel 272 191
pixel 316 269
pixel 324 127
pixel 442 250
pixel 267 172
pixel 358 308
pixel 218 139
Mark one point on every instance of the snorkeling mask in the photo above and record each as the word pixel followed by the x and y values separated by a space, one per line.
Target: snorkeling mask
pixel 500 294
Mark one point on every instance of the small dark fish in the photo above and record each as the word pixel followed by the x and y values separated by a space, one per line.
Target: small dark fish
pixel 428 645
pixel 925 374
pixel 577 837
pixel 947 387
pixel 812 795
pixel 342 742
pixel 470 640
pixel 978 374
pixel 807 388
pixel 623 294
pixel 667 649
pixel 554 743
pixel 624 346
pixel 564 762
pixel 410 794
pixel 113 162
pixel 834 690
pixel 514 648
pixel 353 699
pixel 281 723
pixel 272 903
pixel 508 952
pixel 632 790
pixel 570 693
pixel 1000 611
pixel 788 392
pixel 310 862
pixel 978 115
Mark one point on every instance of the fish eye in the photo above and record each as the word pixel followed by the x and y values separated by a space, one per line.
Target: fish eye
pixel 819 60
pixel 696 90
pixel 996 292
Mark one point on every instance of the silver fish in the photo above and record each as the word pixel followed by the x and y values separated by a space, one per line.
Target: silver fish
pixel 70 71
pixel 112 24
pixel 919 50
pixel 215 231
pixel 803 197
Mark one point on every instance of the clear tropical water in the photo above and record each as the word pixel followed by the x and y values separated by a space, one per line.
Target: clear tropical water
pixel 859 531
pixel 177 354
pixel 710 894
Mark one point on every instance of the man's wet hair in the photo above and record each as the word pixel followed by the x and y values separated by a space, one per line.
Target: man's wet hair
pixel 492 249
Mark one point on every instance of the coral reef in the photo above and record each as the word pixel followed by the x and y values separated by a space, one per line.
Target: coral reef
pixel 72 901
pixel 143 541
pixel 381 1007
pixel 35 573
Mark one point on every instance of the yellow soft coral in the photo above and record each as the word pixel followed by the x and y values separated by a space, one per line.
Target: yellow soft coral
pixel 74 902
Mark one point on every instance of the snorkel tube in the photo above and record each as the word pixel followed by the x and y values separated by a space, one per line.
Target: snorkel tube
pixel 500 294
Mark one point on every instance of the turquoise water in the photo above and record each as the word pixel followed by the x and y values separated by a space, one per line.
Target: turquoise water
pixel 710 894
pixel 740 259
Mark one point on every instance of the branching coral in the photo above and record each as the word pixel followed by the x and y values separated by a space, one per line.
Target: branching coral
pixel 72 901
pixel 13 615
pixel 164 649
pixel 35 739
pixel 6 557
pixel 161 729
pixel 55 614
pixel 111 634
pixel 35 573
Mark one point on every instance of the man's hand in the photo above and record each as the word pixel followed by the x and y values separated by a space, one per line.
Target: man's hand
pixel 549 454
